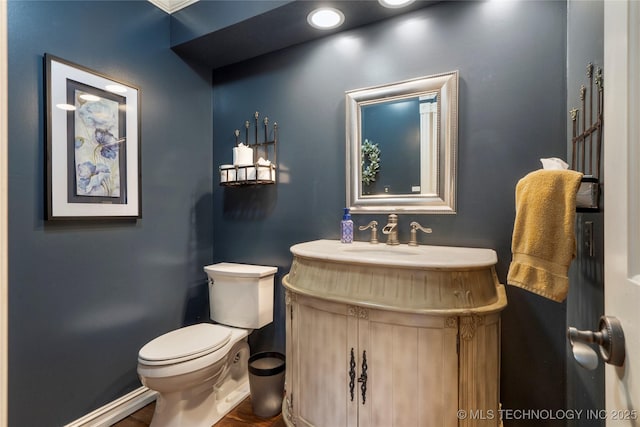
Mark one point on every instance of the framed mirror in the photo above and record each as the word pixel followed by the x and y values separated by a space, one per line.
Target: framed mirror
pixel 402 143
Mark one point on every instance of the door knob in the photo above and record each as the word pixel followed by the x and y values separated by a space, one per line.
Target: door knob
pixel 609 338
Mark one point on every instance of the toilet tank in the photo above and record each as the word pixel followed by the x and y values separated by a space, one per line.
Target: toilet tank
pixel 241 295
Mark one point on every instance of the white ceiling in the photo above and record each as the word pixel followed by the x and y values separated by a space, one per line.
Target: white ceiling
pixel 171 6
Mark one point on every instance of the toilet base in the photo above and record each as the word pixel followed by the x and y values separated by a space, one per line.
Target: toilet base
pixel 208 412
pixel 201 398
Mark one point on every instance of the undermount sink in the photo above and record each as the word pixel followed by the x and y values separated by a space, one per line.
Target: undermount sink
pixel 412 279
pixel 446 257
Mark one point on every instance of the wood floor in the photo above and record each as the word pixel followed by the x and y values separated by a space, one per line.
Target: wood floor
pixel 241 416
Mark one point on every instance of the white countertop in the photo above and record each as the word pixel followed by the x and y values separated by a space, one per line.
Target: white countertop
pixel 425 256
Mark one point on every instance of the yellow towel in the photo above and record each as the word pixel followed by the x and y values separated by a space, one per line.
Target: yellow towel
pixel 544 240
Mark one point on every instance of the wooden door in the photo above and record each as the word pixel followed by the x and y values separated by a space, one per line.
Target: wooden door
pixel 622 202
pixel 4 218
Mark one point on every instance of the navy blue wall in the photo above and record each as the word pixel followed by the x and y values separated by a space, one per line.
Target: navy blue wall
pixel 206 16
pixel 84 296
pixel 585 302
pixel 512 111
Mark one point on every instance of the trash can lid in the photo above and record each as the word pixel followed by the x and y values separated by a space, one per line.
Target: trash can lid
pixel 266 363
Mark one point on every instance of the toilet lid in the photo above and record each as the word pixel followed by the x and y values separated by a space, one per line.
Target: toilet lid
pixel 185 344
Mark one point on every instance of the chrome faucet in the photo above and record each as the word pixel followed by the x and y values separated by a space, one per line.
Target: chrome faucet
pixel 391 229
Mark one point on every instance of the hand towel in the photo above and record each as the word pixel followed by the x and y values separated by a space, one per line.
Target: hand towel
pixel 544 242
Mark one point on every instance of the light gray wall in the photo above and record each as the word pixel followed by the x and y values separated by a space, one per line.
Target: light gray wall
pixel 512 111
pixel 85 296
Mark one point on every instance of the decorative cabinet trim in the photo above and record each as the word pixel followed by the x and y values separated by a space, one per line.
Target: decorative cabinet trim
pixel 289 410
pixel 468 326
pixel 290 297
pixel 451 322
pixel 359 312
pixel 399 289
pixel 464 297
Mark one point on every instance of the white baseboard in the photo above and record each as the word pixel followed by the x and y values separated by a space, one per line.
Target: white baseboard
pixel 114 411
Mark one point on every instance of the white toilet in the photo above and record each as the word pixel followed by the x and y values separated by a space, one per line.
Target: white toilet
pixel 201 371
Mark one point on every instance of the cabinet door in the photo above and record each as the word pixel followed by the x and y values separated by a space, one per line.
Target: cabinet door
pixel 324 335
pixel 412 370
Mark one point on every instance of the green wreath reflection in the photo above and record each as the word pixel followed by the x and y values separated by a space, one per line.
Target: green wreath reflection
pixel 370 161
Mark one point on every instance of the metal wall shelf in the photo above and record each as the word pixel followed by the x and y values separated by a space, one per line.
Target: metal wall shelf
pixel 248 175
pixel 257 173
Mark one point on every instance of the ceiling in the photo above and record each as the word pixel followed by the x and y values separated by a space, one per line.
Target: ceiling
pixel 282 26
pixel 171 6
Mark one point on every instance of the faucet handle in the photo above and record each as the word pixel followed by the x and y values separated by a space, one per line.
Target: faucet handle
pixel 373 225
pixel 414 227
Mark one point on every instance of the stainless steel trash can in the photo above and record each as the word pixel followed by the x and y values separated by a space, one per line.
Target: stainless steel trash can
pixel 266 381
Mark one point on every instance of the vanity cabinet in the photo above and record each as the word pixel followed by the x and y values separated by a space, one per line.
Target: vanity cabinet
pixel 356 356
pixel 405 358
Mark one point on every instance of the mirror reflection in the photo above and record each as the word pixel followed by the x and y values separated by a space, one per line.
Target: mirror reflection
pixel 399 129
pixel 401 146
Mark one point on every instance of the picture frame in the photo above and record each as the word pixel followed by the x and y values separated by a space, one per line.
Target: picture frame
pixel 92 144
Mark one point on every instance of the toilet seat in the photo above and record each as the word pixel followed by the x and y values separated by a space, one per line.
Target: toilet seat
pixel 184 344
pixel 172 368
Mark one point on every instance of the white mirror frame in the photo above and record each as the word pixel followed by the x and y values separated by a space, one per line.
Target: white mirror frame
pixel 444 200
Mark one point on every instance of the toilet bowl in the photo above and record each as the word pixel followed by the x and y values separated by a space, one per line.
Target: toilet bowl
pixel 201 371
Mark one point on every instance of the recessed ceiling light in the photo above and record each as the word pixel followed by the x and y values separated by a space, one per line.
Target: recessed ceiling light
pixel 325 18
pixel 393 4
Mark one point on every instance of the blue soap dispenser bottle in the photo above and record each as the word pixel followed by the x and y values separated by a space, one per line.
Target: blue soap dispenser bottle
pixel 346 227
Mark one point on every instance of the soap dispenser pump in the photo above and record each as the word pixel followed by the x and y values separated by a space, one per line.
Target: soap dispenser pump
pixel 346 227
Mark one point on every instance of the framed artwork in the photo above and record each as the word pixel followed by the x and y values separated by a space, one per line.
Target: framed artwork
pixel 92 143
